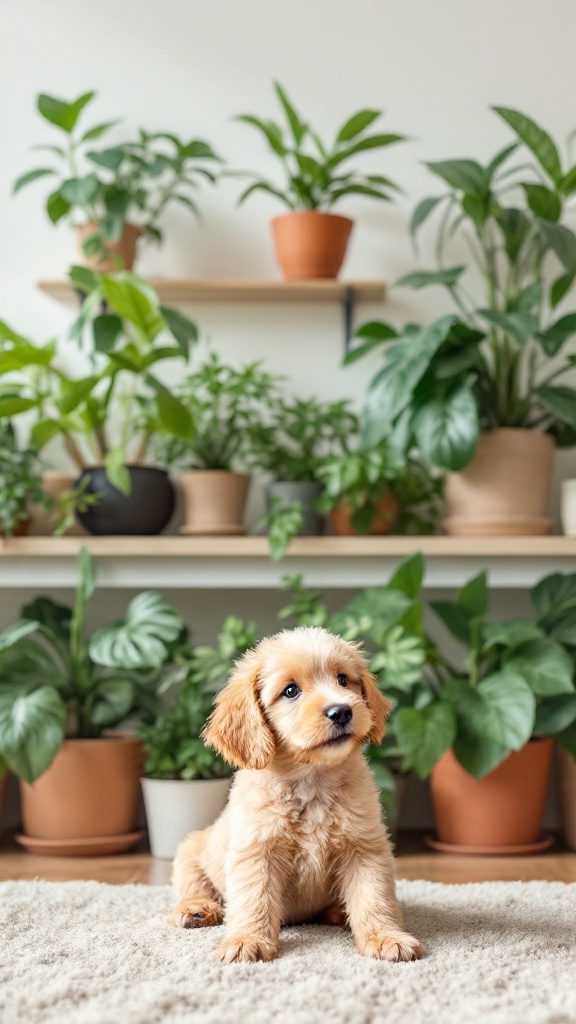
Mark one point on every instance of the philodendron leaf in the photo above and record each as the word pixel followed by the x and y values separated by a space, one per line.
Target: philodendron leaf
pixel 554 714
pixel 447 428
pixel 140 639
pixel 425 734
pixel 512 633
pixel 113 699
pixel 501 707
pixel 545 666
pixel 134 300
pixel 31 729
pixel 455 618
pixel 554 594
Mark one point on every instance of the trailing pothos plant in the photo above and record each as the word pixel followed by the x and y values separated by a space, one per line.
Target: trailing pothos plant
pixel 316 175
pixel 498 358
pixel 109 414
pixel 57 682
pixel 514 682
pixel 119 183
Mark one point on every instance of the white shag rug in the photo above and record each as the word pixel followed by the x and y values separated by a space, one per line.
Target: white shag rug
pixel 89 953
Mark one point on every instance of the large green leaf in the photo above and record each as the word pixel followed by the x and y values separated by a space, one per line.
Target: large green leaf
pixel 553 714
pixel 501 707
pixel 79 191
pixel 54 617
pixel 113 700
pixel 183 330
pixel 13 634
pixel 537 140
pixel 545 666
pixel 423 211
pixel 553 338
pixel 512 633
pixel 561 240
pixel 477 754
pixel 106 329
pixel 455 618
pixel 372 613
pixel 31 729
pixel 135 301
pixel 356 124
pixel 522 325
pixel 447 428
pixel 409 576
pixel 473 597
pixel 425 734
pixel 423 278
pixel 140 639
pixel 544 202
pixel 175 417
pixel 560 401
pixel 60 113
pixel 74 392
pixel 554 593
pixel 464 175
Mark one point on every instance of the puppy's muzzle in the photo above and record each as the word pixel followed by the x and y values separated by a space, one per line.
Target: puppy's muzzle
pixel 339 714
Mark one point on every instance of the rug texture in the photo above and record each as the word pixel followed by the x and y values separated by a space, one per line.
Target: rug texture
pixel 88 953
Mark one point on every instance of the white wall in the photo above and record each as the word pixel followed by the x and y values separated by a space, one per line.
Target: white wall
pixel 189 65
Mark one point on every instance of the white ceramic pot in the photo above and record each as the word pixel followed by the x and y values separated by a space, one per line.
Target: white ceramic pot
pixel 175 807
pixel 568 507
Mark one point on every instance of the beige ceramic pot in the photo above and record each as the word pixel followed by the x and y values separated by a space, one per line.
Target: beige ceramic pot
pixel 118 255
pixel 213 501
pixel 92 789
pixel 567 797
pixel 505 489
pixel 310 244
pixel 41 522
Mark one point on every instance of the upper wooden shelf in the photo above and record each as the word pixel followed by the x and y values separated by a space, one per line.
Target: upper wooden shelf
pixel 245 291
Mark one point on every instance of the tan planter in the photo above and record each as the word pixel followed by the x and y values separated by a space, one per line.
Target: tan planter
pixel 92 789
pixel 42 523
pixel 118 255
pixel 505 489
pixel 214 501
pixel 386 515
pixel 567 797
pixel 503 809
pixel 310 244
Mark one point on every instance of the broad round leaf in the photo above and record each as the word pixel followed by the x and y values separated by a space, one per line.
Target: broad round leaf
pixel 545 666
pixel 31 729
pixel 447 429
pixel 139 640
pixel 425 734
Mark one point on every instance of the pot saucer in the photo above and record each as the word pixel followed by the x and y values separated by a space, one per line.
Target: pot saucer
pixel 497 526
pixel 490 851
pixel 213 531
pixel 96 846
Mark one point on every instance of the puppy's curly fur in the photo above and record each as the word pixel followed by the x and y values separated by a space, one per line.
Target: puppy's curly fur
pixel 301 838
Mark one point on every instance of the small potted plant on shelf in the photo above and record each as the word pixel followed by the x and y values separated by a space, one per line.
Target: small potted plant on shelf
pixel 117 193
pixel 61 694
pixel 20 480
pixel 483 391
pixel 310 241
pixel 107 417
pixel 484 729
pixel 226 406
pixel 185 784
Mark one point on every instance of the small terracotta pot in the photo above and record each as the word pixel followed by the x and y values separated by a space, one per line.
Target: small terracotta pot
pixel 118 255
pixel 505 489
pixel 504 808
pixel 20 530
pixel 91 789
pixel 310 244
pixel 386 515
pixel 214 501
pixel 567 797
pixel 41 522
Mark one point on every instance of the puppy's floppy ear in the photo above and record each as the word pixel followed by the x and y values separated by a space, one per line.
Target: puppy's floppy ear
pixel 377 705
pixel 237 728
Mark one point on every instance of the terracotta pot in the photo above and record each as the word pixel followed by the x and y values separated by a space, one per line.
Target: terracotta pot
pixel 504 808
pixel 214 501
pixel 91 789
pixel 386 514
pixel 145 511
pixel 567 797
pixel 310 244
pixel 505 489
pixel 118 255
pixel 20 530
pixel 41 522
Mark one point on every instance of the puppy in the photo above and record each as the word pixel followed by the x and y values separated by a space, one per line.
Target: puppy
pixel 301 838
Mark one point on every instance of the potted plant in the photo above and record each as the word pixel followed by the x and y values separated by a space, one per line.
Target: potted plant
pixel 108 416
pixel 482 391
pixel 61 693
pixel 186 784
pixel 310 241
pixel 483 729
pixel 20 483
pixel 115 194
pixel 226 406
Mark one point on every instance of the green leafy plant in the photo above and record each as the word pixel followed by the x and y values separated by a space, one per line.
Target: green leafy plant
pixel 108 415
pixel 282 522
pixel 172 742
pixel 488 363
pixel 20 482
pixel 57 682
pixel 226 406
pixel 300 434
pixel 125 182
pixel 315 175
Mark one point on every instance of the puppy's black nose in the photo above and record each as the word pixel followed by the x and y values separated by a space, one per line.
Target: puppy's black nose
pixel 339 714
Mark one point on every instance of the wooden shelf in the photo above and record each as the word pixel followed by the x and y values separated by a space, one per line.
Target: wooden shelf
pixel 244 562
pixel 244 291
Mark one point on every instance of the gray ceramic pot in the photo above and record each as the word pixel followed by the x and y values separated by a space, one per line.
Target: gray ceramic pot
pixel 290 491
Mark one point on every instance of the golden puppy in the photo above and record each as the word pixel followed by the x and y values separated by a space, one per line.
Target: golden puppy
pixel 301 838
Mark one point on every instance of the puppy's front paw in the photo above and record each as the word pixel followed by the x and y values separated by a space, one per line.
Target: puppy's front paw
pixel 197 912
pixel 235 949
pixel 394 946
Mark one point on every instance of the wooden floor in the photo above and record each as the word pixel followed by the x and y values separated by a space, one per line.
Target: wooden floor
pixel 413 860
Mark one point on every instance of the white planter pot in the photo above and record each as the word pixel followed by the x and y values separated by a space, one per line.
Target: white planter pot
pixel 568 507
pixel 175 807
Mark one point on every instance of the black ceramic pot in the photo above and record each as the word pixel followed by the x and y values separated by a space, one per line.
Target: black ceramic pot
pixel 145 511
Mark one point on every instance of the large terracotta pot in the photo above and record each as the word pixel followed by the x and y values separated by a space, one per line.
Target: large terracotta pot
pixel 91 789
pixel 386 515
pixel 310 244
pixel 145 511
pixel 567 797
pixel 214 501
pixel 118 255
pixel 503 809
pixel 505 489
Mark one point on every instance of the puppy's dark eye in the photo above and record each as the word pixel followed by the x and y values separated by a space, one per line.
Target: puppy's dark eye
pixel 341 679
pixel 291 691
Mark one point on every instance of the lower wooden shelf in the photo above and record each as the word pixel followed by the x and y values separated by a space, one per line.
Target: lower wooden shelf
pixel 244 562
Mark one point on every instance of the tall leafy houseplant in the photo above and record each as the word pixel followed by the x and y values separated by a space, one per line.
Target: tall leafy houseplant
pixel 310 241
pixel 116 192
pixel 457 387
pixel 20 483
